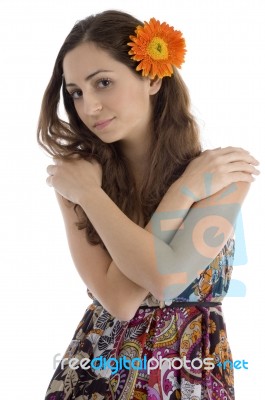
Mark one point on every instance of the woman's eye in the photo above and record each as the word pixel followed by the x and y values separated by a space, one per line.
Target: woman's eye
pixel 76 94
pixel 103 83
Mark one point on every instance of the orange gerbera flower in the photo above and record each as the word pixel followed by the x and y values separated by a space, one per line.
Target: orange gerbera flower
pixel 157 47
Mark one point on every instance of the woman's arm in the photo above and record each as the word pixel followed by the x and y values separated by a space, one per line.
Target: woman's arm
pixel 117 293
pixel 120 232
pixel 145 258
pixel 166 265
pixel 113 288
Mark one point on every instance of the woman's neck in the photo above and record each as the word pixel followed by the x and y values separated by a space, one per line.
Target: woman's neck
pixel 137 155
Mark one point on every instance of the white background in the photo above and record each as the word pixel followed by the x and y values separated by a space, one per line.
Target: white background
pixel 42 296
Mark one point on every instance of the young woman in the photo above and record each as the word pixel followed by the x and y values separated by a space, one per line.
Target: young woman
pixel 141 202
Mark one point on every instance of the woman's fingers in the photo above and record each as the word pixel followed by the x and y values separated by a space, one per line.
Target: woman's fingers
pixel 232 150
pixel 238 163
pixel 240 177
pixel 240 156
pixel 230 155
pixel 226 165
pixel 49 180
pixel 238 166
pixel 51 169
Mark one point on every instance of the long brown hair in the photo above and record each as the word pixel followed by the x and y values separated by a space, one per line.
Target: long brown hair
pixel 175 132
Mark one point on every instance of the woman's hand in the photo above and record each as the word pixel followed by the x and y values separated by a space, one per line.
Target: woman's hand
pixel 215 169
pixel 73 178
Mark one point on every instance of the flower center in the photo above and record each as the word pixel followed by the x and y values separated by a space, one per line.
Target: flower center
pixel 157 49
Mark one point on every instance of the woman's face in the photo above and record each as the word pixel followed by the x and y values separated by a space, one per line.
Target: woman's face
pixel 109 98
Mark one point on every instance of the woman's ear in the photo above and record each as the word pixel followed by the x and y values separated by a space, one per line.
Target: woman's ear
pixel 155 85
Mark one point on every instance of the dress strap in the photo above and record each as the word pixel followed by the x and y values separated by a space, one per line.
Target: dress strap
pixel 177 304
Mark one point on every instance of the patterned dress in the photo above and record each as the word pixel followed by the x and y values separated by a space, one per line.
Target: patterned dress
pixel 168 351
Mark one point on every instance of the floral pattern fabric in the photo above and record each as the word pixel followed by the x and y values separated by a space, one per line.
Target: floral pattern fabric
pixel 172 333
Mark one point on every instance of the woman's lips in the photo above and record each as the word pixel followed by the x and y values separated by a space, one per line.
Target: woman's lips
pixel 103 124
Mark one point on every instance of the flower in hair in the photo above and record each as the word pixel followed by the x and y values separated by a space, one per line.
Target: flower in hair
pixel 158 47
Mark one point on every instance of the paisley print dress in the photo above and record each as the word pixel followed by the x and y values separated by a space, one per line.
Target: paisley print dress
pixel 175 350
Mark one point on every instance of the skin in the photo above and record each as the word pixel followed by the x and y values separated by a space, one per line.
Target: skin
pixel 129 276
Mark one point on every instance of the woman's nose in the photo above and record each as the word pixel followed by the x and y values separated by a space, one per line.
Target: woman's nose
pixel 92 105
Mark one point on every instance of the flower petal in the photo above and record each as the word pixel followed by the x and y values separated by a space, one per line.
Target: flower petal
pixel 167 48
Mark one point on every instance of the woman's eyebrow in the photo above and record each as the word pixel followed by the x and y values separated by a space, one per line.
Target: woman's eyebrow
pixel 89 77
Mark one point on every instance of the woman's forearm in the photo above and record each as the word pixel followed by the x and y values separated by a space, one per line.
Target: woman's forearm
pixel 170 212
pixel 132 248
pixel 164 269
